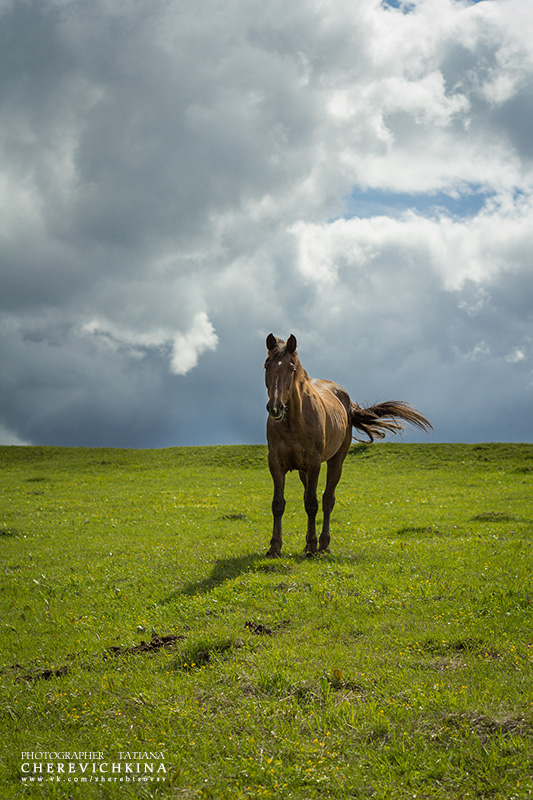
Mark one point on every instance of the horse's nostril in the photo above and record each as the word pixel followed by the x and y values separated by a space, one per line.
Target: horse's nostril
pixel 276 411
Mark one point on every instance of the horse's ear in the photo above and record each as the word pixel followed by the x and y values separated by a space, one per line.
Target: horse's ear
pixel 271 341
pixel 292 344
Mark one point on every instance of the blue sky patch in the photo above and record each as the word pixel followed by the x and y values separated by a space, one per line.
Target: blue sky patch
pixel 406 6
pixel 375 202
pixel 403 5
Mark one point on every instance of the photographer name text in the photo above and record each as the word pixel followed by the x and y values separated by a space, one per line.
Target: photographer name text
pixel 92 766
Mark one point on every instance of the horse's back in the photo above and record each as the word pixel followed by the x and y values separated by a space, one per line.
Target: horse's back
pixel 328 390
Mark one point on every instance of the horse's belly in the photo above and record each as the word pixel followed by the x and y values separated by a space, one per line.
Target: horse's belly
pixel 317 447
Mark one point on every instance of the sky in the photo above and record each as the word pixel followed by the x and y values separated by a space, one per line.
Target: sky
pixel 179 178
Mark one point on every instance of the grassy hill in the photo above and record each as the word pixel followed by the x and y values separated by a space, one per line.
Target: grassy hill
pixel 140 621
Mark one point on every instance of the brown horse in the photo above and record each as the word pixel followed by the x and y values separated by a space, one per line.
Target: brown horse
pixel 309 422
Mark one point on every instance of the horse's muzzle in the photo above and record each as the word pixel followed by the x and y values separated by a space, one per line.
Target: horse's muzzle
pixel 276 412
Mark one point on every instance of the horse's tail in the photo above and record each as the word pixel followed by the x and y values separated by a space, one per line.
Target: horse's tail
pixel 390 417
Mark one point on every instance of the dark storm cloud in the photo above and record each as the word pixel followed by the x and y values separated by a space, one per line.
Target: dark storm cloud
pixel 172 188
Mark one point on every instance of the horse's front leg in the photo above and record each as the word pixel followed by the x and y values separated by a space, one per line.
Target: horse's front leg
pixel 328 498
pixel 278 507
pixel 311 508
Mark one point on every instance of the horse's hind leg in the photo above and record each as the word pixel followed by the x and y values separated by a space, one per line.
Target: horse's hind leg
pixel 310 482
pixel 328 498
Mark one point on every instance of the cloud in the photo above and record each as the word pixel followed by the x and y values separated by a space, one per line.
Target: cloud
pixel 498 239
pixel 184 349
pixel 187 348
pixel 174 185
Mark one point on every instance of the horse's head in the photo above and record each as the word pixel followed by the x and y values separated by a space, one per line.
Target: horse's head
pixel 280 367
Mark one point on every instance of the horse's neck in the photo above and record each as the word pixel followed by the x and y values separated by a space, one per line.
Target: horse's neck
pixel 300 386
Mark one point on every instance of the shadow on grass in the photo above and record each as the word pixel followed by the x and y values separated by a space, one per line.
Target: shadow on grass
pixel 227 569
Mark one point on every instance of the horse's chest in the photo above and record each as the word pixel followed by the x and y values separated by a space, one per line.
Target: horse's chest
pixel 297 458
pixel 294 452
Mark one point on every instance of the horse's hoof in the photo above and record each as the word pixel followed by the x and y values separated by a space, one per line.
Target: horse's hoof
pixel 324 550
pixel 271 554
pixel 310 553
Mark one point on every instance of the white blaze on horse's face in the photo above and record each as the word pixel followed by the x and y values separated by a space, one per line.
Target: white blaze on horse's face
pixel 279 374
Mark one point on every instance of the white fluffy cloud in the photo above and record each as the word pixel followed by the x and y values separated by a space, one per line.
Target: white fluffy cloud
pixel 184 349
pixel 455 250
pixel 176 184
pixel 187 348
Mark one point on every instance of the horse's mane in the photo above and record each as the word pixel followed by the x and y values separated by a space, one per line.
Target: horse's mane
pixel 279 350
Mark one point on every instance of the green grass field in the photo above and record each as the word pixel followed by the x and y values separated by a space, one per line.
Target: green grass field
pixel 139 616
